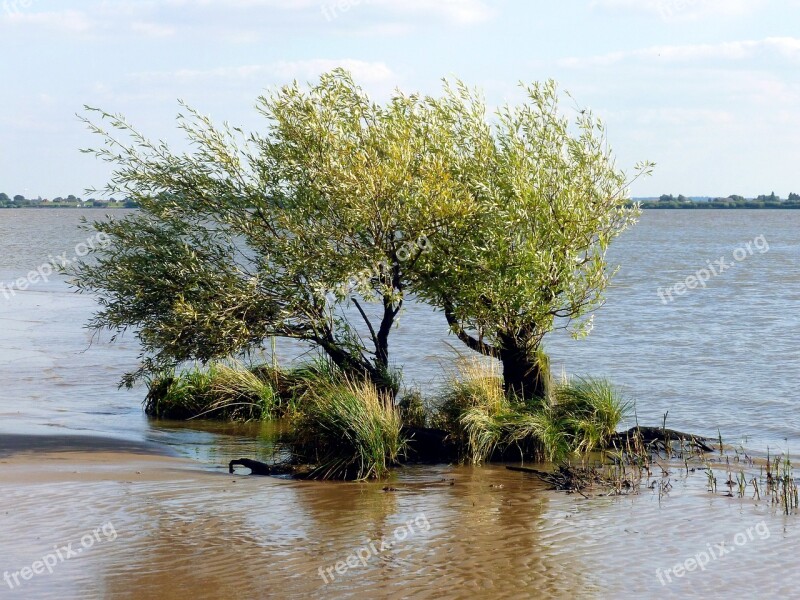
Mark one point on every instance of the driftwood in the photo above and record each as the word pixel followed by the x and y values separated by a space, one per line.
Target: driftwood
pixel 260 468
pixel 661 435
pixel 576 479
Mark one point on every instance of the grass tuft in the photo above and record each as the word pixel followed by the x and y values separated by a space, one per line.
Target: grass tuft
pixel 350 431
pixel 218 391
pixel 578 416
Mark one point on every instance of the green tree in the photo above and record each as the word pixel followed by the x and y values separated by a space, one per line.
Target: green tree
pixel 294 233
pixel 532 257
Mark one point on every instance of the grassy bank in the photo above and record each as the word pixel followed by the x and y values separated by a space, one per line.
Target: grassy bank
pixel 233 391
pixel 347 429
pixel 577 416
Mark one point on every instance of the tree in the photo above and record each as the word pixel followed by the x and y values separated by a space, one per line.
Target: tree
pixel 532 257
pixel 4 198
pixel 666 198
pixel 318 229
pixel 19 199
pixel 794 197
pixel 771 198
pixel 293 234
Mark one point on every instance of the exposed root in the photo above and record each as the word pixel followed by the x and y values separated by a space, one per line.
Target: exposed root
pixel 579 479
pixel 660 436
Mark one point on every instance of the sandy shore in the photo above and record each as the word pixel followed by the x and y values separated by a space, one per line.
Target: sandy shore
pixel 11 444
pixel 30 459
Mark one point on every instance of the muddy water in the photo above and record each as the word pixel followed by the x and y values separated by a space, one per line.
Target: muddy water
pixel 188 534
pixel 187 529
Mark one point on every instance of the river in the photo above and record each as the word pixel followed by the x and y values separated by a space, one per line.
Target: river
pixel 722 357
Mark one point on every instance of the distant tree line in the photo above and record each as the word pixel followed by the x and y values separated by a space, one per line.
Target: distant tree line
pixel 733 201
pixel 71 201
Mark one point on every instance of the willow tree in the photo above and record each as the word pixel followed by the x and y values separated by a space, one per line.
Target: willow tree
pixel 294 232
pixel 532 256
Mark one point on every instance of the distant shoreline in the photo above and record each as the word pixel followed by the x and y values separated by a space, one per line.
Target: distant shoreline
pixel 718 206
pixel 646 205
pixel 67 206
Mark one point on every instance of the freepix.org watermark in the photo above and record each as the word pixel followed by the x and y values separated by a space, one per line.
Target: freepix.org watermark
pixel 410 250
pixel 669 8
pixel 332 10
pixel 361 556
pixel 713 269
pixel 44 272
pixel 13 7
pixel 59 555
pixel 701 560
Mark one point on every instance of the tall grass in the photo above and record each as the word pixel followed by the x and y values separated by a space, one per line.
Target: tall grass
pixel 577 416
pixel 218 391
pixel 591 409
pixel 295 382
pixel 413 411
pixel 349 430
pixel 473 408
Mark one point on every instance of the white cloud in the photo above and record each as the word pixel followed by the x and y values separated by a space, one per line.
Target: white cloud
pixel 463 12
pixel 363 71
pixel 679 10
pixel 454 11
pixel 681 117
pixel 152 29
pixel 785 47
pixel 67 21
pixel 243 21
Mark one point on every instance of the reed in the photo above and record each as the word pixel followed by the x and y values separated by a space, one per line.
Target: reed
pixel 348 430
pixel 577 417
pixel 217 391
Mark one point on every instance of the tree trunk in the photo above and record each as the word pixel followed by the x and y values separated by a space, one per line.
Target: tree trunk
pixel 523 374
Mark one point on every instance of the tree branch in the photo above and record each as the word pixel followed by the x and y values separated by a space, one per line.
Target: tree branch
pixel 367 321
pixel 471 342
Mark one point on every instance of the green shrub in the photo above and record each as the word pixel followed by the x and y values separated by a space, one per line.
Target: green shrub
pixel 349 431
pixel 218 391
pixel 577 416
pixel 591 410
pixel 413 412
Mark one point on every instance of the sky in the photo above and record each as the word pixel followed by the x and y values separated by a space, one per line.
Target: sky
pixel 707 89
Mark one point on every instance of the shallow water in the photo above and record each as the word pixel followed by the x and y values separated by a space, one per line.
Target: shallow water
pixel 721 357
pixel 725 356
pixel 492 532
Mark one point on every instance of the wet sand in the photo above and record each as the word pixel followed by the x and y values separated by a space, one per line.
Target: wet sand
pixel 29 459
pixel 184 530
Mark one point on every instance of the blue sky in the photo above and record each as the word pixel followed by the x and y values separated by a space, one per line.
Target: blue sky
pixel 708 89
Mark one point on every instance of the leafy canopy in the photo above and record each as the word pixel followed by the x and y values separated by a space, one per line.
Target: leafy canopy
pixel 249 236
pixel 549 201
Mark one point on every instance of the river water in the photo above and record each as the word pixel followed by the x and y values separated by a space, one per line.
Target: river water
pixel 721 357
